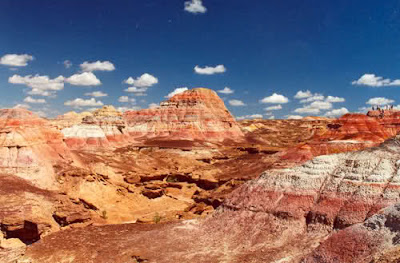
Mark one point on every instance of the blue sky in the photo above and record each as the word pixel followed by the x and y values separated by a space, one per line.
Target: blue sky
pixel 344 49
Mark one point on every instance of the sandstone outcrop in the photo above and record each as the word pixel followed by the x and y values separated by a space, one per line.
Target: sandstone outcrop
pixel 103 128
pixel 194 115
pixel 375 240
pixel 351 132
pixel 29 147
pixel 282 216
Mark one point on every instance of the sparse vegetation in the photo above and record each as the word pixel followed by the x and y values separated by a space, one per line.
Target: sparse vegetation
pixel 157 218
pixel 104 214
pixel 172 179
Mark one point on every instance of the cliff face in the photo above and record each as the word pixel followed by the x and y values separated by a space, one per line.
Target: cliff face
pixel 197 114
pixel 29 147
pixel 351 132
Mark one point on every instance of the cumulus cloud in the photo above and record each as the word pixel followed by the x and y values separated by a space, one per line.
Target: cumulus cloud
pixel 78 103
pixel 276 107
pixel 334 99
pixel 135 90
pixel 123 109
pixel 96 94
pixel 314 97
pixel 207 70
pixel 29 99
pixel 322 105
pixel 226 90
pixel 21 106
pixel 195 7
pixel 307 109
pixel 16 60
pixel 303 94
pixel 379 101
pixel 271 117
pixel 40 85
pixel 375 81
pixel 83 79
pixel 177 91
pixel 126 99
pixel 336 112
pixel 294 117
pixel 67 64
pixel 144 81
pixel 252 116
pixel 97 66
pixel 236 103
pixel 276 99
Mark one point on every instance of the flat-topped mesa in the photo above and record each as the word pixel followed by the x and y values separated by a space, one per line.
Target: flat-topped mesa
pixel 99 129
pixel 29 146
pixel 195 115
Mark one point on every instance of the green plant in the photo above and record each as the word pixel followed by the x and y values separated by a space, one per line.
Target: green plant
pixel 172 179
pixel 104 214
pixel 157 218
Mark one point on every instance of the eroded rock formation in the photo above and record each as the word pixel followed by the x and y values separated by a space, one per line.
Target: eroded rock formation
pixel 194 115
pixel 280 217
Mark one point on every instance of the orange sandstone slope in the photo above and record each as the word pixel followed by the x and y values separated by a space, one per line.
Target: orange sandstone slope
pixel 194 115
pixel 350 132
pixel 29 147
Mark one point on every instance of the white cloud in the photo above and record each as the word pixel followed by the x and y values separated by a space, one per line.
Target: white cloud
pixel 303 94
pixel 16 60
pixel 21 106
pixel 226 90
pixel 40 85
pixel 29 99
pixel 379 101
pixel 67 64
pixel 144 81
pixel 98 65
pixel 126 99
pixel 96 94
pixel 375 81
pixel 207 70
pixel 337 112
pixel 78 102
pixel 307 109
pixel 236 103
pixel 294 117
pixel 271 117
pixel 276 107
pixel 135 90
pixel 195 6
pixel 322 105
pixel 83 79
pixel 153 105
pixel 123 109
pixel 252 116
pixel 334 99
pixel 177 91
pixel 314 97
pixel 275 98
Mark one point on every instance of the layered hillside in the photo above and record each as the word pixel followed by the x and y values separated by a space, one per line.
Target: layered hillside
pixel 194 115
pixel 29 147
pixel 350 132
pixel 280 217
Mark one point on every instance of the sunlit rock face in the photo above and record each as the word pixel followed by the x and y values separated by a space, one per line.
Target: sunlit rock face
pixel 282 216
pixel 30 146
pixel 197 114
pixel 350 132
pixel 375 240
pixel 103 128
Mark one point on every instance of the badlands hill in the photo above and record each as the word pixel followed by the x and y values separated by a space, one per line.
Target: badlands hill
pixel 185 182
